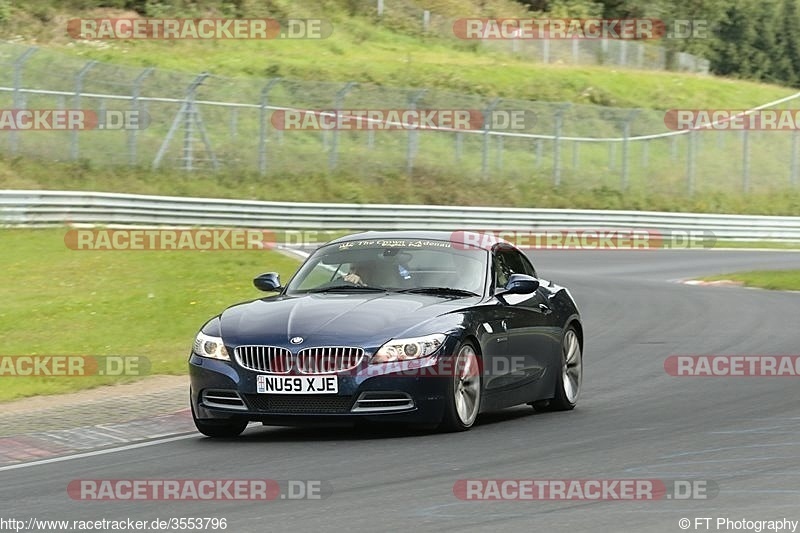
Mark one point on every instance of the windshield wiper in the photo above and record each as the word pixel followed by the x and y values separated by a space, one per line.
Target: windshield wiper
pixel 444 291
pixel 337 288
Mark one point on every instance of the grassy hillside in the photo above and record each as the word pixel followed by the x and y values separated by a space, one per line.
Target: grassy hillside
pixel 392 51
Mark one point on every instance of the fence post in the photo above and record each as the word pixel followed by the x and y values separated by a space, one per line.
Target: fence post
pixel 612 155
pixel 101 113
pixel 18 99
pixel 459 145
pixel 626 133
pixel 575 51
pixel 499 160
pixel 234 122
pixel 133 133
pixel 380 8
pixel 539 152
pixel 412 132
pixel 426 20
pixel 187 112
pixel 559 123
pixel 646 153
pixel 73 144
pixel 188 130
pixel 575 146
pixel 690 162
pixel 262 126
pixel 745 161
pixel 673 148
pixel 190 121
pixel 487 119
pixel 793 164
pixel 333 156
pixel 603 51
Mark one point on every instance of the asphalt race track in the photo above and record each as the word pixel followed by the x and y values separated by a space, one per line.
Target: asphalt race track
pixel 633 421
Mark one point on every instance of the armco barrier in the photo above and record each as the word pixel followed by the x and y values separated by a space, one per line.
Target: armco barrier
pixel 20 208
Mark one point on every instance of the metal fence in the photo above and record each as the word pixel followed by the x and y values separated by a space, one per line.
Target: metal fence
pixel 610 52
pixel 207 123
pixel 617 53
pixel 20 208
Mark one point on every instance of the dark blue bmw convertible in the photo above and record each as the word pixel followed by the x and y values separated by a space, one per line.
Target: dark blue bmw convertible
pixel 429 328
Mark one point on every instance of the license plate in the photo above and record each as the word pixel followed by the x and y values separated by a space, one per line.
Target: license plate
pixel 323 384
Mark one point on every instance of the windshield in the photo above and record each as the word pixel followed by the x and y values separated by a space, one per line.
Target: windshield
pixel 393 265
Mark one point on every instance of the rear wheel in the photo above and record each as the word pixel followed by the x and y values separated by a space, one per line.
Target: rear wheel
pixel 219 428
pixel 568 388
pixel 463 397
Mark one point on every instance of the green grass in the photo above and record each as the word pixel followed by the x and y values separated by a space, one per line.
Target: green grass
pixel 431 185
pixel 394 60
pixel 58 301
pixel 390 52
pixel 779 280
pixel 383 55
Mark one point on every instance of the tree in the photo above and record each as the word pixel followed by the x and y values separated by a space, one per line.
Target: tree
pixel 787 44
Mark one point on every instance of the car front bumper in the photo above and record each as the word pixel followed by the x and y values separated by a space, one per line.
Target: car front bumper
pixel 410 392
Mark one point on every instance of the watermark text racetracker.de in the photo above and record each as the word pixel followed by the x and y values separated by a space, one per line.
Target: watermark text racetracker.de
pixel 707 523
pixel 584 489
pixel 636 29
pixel 197 28
pixel 169 239
pixel 72 119
pixel 732 119
pixel 733 365
pixel 73 366
pixel 196 239
pixel 587 239
pixel 402 119
pixel 217 490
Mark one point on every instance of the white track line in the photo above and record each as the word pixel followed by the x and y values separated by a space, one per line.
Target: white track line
pixel 104 451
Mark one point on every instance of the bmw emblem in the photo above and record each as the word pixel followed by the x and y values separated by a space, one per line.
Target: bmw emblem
pixel 296 340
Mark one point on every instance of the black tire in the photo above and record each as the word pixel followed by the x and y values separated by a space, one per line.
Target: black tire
pixel 566 398
pixel 452 421
pixel 219 429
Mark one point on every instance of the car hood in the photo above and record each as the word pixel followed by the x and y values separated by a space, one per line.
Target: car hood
pixel 333 319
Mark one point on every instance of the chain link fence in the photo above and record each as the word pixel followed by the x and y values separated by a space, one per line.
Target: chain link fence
pixel 206 123
pixel 405 17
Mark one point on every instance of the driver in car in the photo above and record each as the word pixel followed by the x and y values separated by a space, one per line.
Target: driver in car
pixel 374 274
pixel 361 273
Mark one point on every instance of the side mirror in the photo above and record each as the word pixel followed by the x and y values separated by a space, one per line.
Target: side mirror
pixel 271 281
pixel 518 284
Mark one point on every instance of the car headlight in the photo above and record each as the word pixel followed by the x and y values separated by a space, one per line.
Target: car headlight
pixel 208 346
pixel 405 349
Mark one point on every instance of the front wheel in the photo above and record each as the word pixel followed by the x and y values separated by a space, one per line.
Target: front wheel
pixel 463 397
pixel 219 428
pixel 568 388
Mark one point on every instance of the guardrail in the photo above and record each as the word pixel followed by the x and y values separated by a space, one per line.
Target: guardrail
pixel 21 208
